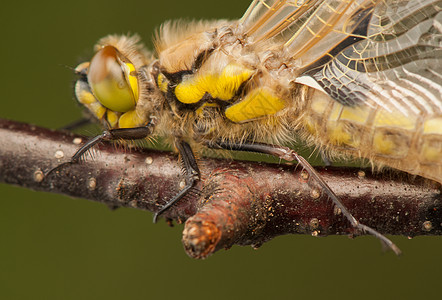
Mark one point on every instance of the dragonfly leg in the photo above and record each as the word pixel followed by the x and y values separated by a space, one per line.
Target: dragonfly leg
pixel 111 134
pixel 290 155
pixel 192 173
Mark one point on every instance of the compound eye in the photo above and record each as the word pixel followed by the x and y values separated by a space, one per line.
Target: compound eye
pixel 113 80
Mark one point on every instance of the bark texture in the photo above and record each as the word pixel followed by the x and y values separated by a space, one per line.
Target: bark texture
pixel 236 202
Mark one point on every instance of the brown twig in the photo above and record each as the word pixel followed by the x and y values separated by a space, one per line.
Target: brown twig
pixel 236 202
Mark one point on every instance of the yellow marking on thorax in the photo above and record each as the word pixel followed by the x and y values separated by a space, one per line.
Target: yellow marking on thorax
pixel 162 83
pixel 192 88
pixel 220 86
pixel 229 82
pixel 257 103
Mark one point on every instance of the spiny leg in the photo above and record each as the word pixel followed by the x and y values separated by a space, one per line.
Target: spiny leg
pixel 290 155
pixel 192 176
pixel 189 161
pixel 111 134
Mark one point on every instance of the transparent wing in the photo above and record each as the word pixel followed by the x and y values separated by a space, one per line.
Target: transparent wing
pixel 384 53
pixel 300 26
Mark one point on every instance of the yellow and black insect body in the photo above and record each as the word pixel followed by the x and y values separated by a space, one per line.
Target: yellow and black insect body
pixel 359 78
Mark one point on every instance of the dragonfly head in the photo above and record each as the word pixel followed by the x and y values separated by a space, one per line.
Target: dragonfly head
pixel 113 86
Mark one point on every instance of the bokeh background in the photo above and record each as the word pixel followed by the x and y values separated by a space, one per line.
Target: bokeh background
pixel 56 247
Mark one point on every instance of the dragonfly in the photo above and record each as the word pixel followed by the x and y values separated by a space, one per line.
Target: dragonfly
pixel 353 78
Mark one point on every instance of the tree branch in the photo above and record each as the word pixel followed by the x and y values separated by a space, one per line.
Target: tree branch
pixel 236 202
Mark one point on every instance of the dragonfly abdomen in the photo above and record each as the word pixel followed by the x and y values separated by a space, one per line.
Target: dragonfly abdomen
pixel 410 143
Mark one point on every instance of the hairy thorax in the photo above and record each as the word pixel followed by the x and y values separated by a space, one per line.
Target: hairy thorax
pixel 216 86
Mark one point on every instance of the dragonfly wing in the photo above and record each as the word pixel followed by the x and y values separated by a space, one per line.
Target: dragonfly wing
pixel 380 64
pixel 378 53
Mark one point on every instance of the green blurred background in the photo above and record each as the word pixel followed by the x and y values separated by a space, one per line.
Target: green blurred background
pixel 56 247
